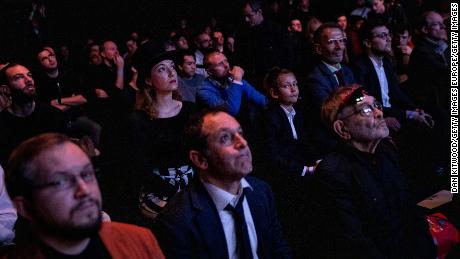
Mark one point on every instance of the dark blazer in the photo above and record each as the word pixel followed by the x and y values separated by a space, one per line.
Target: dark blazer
pixel 366 76
pixel 283 152
pixel 190 227
pixel 321 82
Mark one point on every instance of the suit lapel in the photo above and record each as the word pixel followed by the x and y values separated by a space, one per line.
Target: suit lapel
pixel 329 75
pixel 208 222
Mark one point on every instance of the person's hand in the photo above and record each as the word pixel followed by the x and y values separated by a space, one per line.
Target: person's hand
pixel 133 82
pixel 61 107
pixel 406 50
pixel 119 62
pixel 423 118
pixel 393 123
pixel 237 73
pixel 101 93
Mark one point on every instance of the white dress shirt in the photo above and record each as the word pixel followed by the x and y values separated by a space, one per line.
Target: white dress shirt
pixel 379 69
pixel 221 199
pixel 290 115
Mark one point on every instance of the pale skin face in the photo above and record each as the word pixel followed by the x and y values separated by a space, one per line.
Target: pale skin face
pixel 163 77
pixel 330 47
pixel 218 38
pixel 228 158
pixel 252 18
pixel 110 50
pixel 287 93
pixel 220 67
pixel 203 41
pixel 380 43
pixel 435 27
pixel 342 21
pixel 63 214
pixel 189 66
pixel 360 131
pixel 295 25
pixel 47 59
pixel 20 79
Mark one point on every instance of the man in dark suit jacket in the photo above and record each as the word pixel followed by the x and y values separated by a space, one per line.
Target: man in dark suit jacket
pixel 376 73
pixel 201 222
pixel 328 75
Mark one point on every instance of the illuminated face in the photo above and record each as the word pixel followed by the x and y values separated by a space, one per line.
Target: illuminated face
pixel 296 25
pixel 66 200
pixel 435 27
pixel 288 91
pixel 252 18
pixel 203 41
pixel 342 21
pixel 380 43
pixel 163 77
pixel 402 39
pixel 182 43
pixel 332 45
pixel 20 82
pixel 131 46
pixel 219 67
pixel 189 66
pixel 364 126
pixel 378 6
pixel 47 59
pixel 228 153
pixel 110 50
pixel 218 38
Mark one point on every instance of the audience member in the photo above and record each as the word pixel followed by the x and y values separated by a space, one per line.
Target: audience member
pixel 225 213
pixel 392 13
pixel 226 87
pixel 402 49
pixel 54 188
pixel 157 124
pixel 361 9
pixel 62 91
pixel 359 206
pixel 203 44
pixel 188 79
pixel 25 117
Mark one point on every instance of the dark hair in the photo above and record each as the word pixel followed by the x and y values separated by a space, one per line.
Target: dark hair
pixel 255 5
pixel 400 28
pixel 20 170
pixel 365 32
pixel 182 54
pixel 194 138
pixel 3 79
pixel 324 26
pixel 271 78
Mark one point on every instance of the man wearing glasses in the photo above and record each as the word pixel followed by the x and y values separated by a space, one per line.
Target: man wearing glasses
pixel 53 186
pixel 358 200
pixel 376 73
pixel 327 75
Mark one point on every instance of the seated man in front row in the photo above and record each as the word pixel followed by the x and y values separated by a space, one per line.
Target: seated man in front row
pixel 359 204
pixel 53 186
pixel 224 213
pixel 226 87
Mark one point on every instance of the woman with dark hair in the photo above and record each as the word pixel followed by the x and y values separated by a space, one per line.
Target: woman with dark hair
pixel 159 120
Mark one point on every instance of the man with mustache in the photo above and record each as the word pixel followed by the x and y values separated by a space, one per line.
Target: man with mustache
pixel 358 200
pixel 224 213
pixel 53 186
pixel 24 117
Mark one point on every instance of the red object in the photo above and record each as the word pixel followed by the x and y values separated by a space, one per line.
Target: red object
pixel 444 234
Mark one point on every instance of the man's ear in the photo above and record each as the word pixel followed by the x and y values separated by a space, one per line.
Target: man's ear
pixel 318 49
pixel 23 207
pixel 274 93
pixel 341 130
pixel 148 81
pixel 367 43
pixel 198 159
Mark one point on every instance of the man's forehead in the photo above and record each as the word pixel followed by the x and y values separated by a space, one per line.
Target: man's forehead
pixel 213 123
pixel 380 29
pixel 61 156
pixel 332 32
pixel 16 70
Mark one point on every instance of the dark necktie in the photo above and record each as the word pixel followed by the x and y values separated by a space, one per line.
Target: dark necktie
pixel 340 77
pixel 243 245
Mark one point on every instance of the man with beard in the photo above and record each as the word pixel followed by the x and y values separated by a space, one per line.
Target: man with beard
pixel 226 87
pixel 53 186
pixel 358 200
pixel 225 213
pixel 25 117
pixel 376 73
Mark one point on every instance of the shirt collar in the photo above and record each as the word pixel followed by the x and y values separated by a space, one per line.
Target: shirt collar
pixel 222 198
pixel 332 68
pixel 288 113
pixel 376 61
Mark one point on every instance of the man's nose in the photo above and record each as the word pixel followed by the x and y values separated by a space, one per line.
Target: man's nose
pixel 240 141
pixel 82 188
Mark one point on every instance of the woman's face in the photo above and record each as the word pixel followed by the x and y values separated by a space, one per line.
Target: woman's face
pixel 163 77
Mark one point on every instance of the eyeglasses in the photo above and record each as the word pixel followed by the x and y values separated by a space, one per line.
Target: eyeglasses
pixel 64 181
pixel 383 35
pixel 366 110
pixel 438 24
pixel 49 57
pixel 342 40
